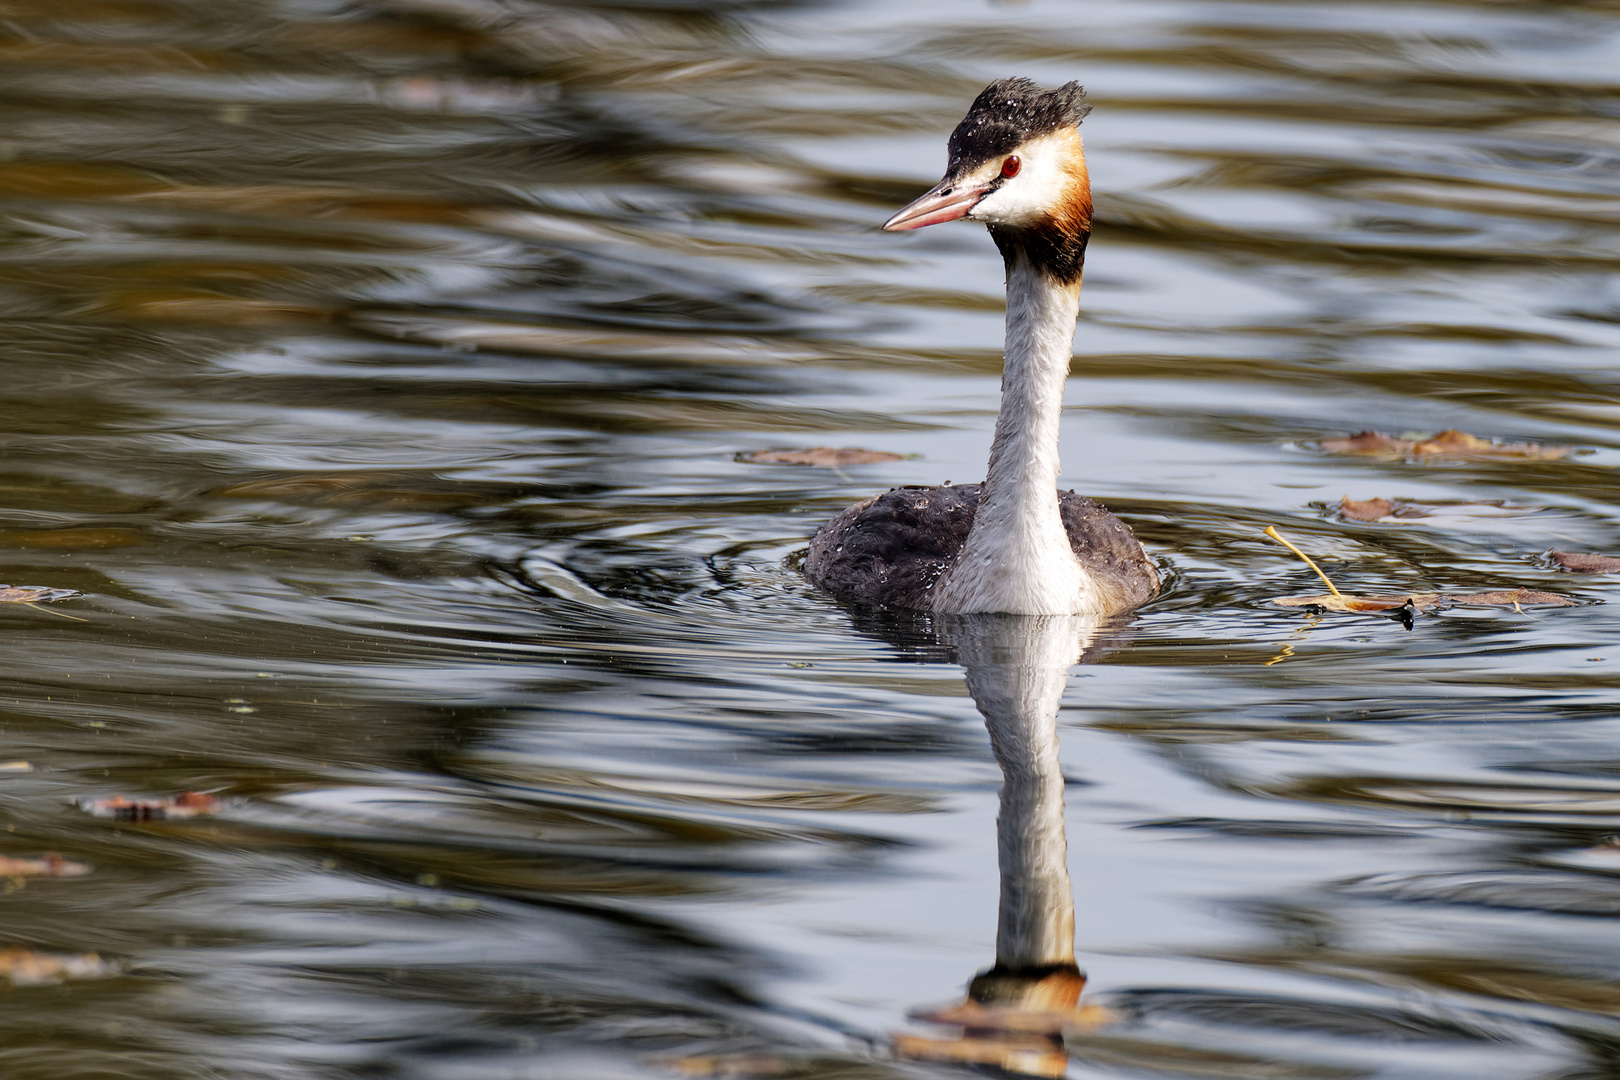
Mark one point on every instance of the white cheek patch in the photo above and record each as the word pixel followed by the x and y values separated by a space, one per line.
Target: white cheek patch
pixel 1041 184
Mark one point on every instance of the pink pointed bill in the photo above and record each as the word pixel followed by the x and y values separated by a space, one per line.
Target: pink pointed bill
pixel 946 202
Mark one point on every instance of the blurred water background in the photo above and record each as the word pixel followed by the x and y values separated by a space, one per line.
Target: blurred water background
pixel 381 372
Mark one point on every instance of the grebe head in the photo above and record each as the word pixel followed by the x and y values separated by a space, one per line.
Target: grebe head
pixel 1017 165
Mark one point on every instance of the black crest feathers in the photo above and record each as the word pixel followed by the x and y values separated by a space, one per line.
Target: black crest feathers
pixel 1008 112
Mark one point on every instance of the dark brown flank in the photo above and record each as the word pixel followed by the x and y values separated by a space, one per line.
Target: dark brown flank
pixel 892 548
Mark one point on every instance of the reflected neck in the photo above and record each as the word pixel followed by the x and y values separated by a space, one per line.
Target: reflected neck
pixel 1016 671
pixel 1035 927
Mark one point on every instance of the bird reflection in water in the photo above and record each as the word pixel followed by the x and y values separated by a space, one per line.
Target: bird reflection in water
pixel 1017 1012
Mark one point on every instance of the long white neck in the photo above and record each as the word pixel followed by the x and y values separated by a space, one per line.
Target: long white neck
pixel 1017 557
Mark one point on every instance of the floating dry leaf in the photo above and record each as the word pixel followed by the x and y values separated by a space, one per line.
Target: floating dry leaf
pixel 1582 562
pixel 1406 510
pixel 826 457
pixel 1342 602
pixel 1421 602
pixel 184 805
pixel 26 968
pixel 1365 509
pixel 1447 444
pixel 33 594
pixel 1408 604
pixel 50 865
pixel 1509 597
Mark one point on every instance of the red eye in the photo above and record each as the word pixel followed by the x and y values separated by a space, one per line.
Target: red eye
pixel 1010 167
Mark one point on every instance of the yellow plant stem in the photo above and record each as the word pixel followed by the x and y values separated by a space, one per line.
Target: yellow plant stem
pixel 1271 531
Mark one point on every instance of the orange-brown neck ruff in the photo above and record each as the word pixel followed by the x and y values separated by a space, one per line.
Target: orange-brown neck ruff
pixel 1057 244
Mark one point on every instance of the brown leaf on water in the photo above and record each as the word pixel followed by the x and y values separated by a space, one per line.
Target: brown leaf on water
pixel 1510 598
pixel 826 457
pixel 1446 444
pixel 1348 602
pixel 187 804
pixel 50 865
pixel 27 968
pixel 33 594
pixel 1457 443
pixel 1410 603
pixel 1420 602
pixel 1582 562
pixel 1365 442
pixel 1365 509
pixel 1398 510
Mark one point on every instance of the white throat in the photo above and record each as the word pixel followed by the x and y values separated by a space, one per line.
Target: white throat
pixel 1017 557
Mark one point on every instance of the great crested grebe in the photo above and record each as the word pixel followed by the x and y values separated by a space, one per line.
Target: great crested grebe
pixel 1013 544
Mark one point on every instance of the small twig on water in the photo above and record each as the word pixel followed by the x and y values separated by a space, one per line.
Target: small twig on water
pixel 58 614
pixel 1271 531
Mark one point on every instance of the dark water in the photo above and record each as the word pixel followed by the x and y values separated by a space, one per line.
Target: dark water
pixel 378 371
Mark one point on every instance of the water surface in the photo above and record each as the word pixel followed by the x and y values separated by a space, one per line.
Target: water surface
pixel 381 373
